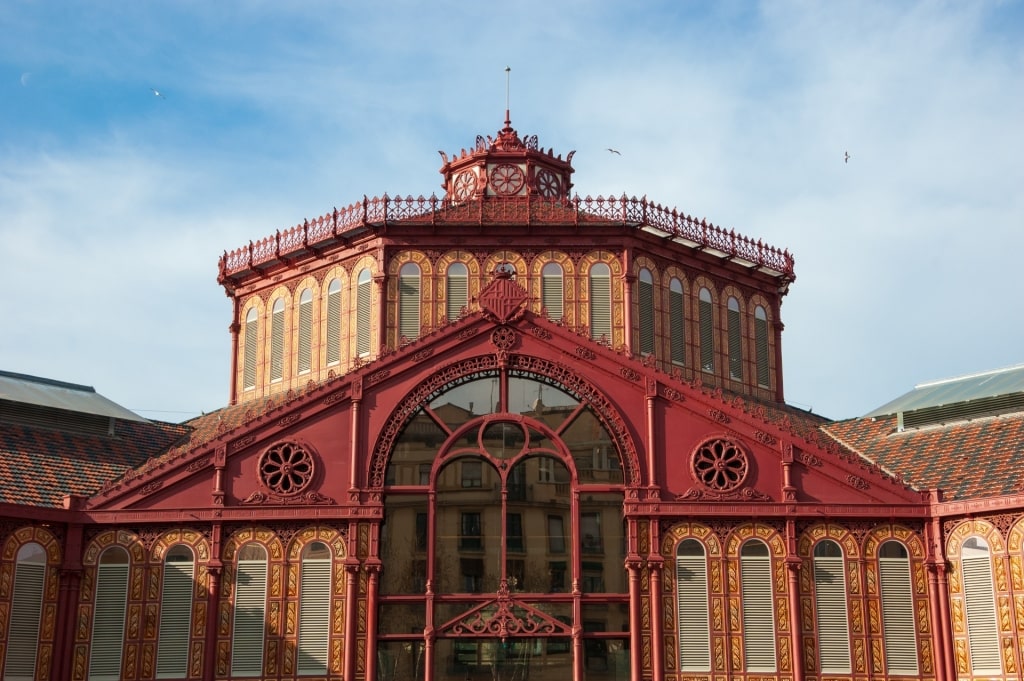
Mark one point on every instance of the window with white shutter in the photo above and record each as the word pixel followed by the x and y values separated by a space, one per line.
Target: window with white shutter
pixel 363 301
pixel 26 610
pixel 735 340
pixel 333 350
pixel 601 303
pixel 409 301
pixel 764 378
pixel 758 610
pixel 175 613
pixel 251 341
pixel 980 604
pixel 830 609
pixel 676 322
pixel 552 291
pixel 692 607
pixel 899 633
pixel 707 331
pixel 314 609
pixel 108 617
pixel 277 341
pixel 457 290
pixel 247 629
pixel 645 299
pixel 304 353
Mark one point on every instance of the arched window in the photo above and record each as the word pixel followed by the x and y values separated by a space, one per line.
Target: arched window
pixel 899 632
pixel 251 340
pixel 363 317
pixel 108 618
pixel 552 291
pixel 980 604
pixel 830 608
pixel 692 607
pixel 758 610
pixel 457 289
pixel 735 340
pixel 277 341
pixel 645 299
pixel 247 630
pixel 304 353
pixel 764 377
pixel 314 609
pixel 175 613
pixel 676 322
pixel 333 350
pixel 707 331
pixel 601 303
pixel 26 610
pixel 409 301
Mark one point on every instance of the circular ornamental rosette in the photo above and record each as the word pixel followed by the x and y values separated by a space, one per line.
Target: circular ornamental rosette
pixel 720 464
pixel 507 179
pixel 286 468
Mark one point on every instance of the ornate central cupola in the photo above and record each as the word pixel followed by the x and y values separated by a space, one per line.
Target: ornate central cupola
pixel 506 166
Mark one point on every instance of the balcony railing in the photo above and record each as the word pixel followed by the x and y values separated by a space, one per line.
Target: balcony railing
pixel 381 211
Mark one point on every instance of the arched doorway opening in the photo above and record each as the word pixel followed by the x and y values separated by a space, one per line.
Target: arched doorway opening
pixel 503 542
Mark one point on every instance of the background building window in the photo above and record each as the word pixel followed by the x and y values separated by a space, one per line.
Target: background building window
pixel 472 473
pixel 471 535
pixel 556 534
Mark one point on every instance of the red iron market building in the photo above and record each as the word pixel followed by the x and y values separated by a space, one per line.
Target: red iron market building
pixel 511 433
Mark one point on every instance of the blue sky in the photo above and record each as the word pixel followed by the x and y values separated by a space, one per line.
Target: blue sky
pixel 115 204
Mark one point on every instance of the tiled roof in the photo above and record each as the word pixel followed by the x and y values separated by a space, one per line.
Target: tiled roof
pixel 969 459
pixel 38 466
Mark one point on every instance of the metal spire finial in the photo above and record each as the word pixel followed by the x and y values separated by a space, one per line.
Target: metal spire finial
pixel 508 78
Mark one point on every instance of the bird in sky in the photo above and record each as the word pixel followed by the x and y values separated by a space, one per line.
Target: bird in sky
pixel 614 151
pixel 846 157
pixel 158 93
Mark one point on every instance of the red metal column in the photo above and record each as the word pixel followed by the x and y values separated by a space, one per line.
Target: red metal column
pixel 633 565
pixel 67 604
pixel 793 564
pixel 351 604
pixel 214 569
pixel 373 567
pixel 655 564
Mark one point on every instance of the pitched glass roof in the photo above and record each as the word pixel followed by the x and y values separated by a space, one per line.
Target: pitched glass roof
pixel 45 392
pixel 957 390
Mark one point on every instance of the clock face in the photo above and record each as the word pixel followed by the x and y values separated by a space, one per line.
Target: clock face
pixel 547 183
pixel 507 179
pixel 464 185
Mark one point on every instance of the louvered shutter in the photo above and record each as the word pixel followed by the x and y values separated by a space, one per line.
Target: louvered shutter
pixel 645 293
pixel 830 609
pixel 409 304
pixel 552 291
pixel 982 624
pixel 175 620
pixel 333 322
pixel 108 622
pixel 457 291
pixel 601 304
pixel 677 323
pixel 898 628
pixel 692 614
pixel 304 354
pixel 314 616
pixel 707 332
pixel 764 378
pixel 23 630
pixel 363 317
pixel 247 630
pixel 758 614
pixel 735 341
pixel 249 361
pixel 277 342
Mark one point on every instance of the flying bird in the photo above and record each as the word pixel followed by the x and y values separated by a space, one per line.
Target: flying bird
pixel 614 151
pixel 846 157
pixel 158 93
